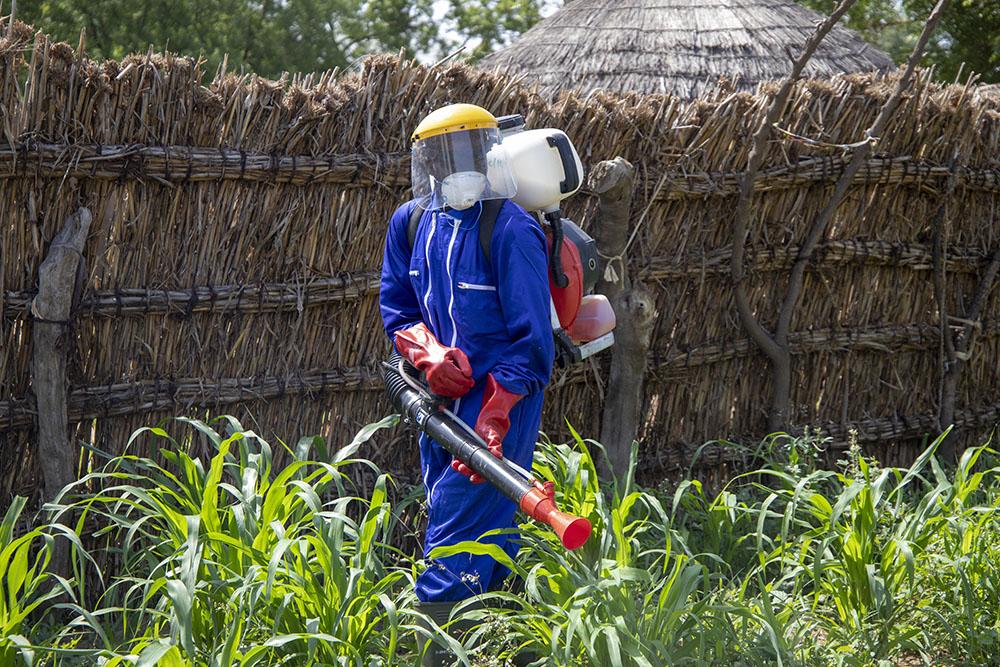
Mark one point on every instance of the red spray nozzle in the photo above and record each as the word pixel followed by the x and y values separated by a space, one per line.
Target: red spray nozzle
pixel 539 504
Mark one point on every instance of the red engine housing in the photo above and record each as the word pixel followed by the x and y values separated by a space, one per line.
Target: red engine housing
pixel 567 299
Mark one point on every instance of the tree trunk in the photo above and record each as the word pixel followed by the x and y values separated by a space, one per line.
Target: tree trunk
pixel 634 310
pixel 51 310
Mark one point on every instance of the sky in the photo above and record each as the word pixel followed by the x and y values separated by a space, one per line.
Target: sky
pixel 441 9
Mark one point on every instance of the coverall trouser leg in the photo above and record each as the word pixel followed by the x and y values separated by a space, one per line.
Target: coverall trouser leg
pixel 461 511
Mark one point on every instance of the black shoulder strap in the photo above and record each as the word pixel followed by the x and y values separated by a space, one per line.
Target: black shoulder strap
pixel 411 227
pixel 487 221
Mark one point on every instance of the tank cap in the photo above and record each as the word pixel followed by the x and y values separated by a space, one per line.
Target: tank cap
pixel 510 122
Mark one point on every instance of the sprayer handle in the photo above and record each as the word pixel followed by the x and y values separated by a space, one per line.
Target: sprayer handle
pixel 558 276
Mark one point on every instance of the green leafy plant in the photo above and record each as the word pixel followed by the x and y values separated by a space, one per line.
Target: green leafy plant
pixel 230 562
pixel 26 585
pixel 221 559
pixel 626 597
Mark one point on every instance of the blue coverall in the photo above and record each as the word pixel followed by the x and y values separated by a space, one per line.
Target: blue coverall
pixel 497 312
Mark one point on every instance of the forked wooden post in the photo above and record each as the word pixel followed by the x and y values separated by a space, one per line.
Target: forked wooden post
pixel 634 307
pixel 50 310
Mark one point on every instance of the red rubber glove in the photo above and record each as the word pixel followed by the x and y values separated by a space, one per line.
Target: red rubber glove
pixel 493 423
pixel 447 368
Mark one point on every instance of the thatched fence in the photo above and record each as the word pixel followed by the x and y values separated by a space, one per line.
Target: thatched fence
pixel 231 261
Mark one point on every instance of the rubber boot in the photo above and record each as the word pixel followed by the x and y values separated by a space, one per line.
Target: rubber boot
pixel 439 612
pixel 440 656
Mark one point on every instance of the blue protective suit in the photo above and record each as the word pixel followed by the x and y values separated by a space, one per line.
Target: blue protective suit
pixel 496 312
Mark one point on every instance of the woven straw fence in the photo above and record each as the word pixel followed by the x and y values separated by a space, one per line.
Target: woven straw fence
pixel 232 262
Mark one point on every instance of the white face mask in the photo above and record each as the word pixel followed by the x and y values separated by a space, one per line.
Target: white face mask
pixel 463 189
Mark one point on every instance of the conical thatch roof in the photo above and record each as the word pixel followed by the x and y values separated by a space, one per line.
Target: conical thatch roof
pixel 677 46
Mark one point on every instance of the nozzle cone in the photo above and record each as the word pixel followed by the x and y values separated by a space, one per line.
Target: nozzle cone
pixel 573 531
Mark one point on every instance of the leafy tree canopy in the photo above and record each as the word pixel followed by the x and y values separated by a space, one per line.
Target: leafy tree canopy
pixel 272 36
pixel 969 32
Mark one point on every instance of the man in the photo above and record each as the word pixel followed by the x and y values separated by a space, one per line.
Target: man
pixel 477 326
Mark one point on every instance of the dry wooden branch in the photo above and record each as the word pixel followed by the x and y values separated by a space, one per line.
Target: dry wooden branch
pixel 635 310
pixel 678 457
pixel 776 345
pixel 958 348
pixel 888 339
pixel 181 394
pixel 182 164
pixel 143 396
pixel 51 339
pixel 910 256
pixel 613 182
pixel 783 385
pixel 178 164
pixel 940 225
pixel 266 298
pixel 875 170
pixel 296 296
pixel 860 155
pixel 767 341
pixel 50 309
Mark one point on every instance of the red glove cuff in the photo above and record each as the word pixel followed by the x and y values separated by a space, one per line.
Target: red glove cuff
pixel 494 416
pixel 447 368
pixel 492 425
pixel 419 346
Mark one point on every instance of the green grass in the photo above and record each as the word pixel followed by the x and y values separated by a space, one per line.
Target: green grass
pixel 228 561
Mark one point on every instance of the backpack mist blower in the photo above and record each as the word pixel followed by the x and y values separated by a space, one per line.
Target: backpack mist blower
pixel 425 412
pixel 547 169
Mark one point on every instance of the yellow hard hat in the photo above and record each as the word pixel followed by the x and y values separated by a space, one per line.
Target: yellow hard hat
pixel 454 118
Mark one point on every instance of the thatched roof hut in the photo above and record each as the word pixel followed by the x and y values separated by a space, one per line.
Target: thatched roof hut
pixel 677 46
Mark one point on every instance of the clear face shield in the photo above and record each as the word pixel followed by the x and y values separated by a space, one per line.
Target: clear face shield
pixel 458 169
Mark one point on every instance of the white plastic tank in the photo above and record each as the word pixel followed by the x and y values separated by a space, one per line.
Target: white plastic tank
pixel 545 165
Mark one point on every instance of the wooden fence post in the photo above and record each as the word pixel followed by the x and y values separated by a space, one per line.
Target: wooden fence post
pixel 50 310
pixel 635 311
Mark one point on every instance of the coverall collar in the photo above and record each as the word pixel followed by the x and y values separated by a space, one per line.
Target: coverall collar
pixel 465 218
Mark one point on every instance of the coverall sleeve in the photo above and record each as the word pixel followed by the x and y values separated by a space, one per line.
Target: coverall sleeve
pixel 521 267
pixel 397 300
